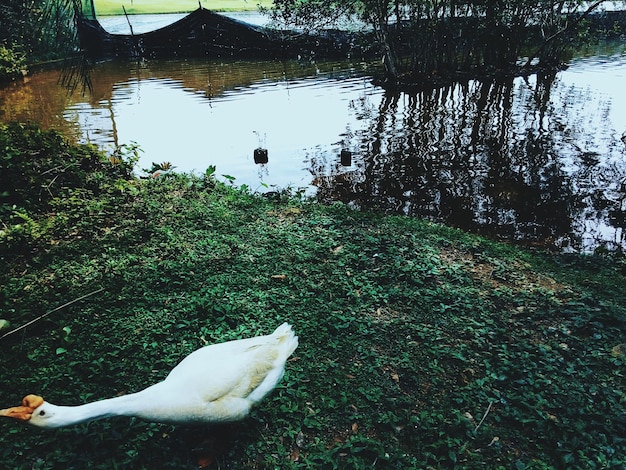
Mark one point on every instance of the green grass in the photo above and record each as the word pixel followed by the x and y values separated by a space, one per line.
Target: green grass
pixel 420 346
pixel 136 7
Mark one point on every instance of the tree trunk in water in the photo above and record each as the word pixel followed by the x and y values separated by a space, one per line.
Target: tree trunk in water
pixel 390 58
pixel 390 61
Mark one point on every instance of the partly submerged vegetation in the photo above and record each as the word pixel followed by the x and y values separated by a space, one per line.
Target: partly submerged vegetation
pixel 427 43
pixel 422 43
pixel 420 346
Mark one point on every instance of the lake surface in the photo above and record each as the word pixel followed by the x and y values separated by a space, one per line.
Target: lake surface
pixel 120 24
pixel 536 161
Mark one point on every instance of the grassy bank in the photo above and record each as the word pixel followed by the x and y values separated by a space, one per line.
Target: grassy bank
pixel 420 346
pixel 136 7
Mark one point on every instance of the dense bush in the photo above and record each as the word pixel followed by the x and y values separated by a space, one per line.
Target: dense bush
pixel 41 170
pixel 39 166
pixel 12 64
pixel 429 43
pixel 42 29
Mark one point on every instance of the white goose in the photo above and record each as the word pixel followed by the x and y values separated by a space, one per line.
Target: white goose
pixel 216 383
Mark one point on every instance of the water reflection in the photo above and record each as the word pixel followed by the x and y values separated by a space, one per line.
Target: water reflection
pixel 524 160
pixel 536 161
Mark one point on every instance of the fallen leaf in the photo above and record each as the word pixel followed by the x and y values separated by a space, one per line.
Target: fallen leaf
pixel 295 455
pixel 279 277
pixel 355 427
pixel 395 377
pixel 618 350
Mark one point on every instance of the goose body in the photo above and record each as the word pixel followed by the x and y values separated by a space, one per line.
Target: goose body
pixel 216 383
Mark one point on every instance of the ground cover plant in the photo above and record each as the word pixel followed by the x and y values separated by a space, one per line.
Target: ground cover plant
pixel 420 346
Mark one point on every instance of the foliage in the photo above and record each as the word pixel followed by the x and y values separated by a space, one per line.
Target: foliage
pixel 420 346
pixel 429 41
pixel 12 64
pixel 42 171
pixel 42 29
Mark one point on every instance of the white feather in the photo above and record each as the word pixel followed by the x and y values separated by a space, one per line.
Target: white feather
pixel 216 383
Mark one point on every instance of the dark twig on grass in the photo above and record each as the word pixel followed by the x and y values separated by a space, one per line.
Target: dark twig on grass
pixel 51 311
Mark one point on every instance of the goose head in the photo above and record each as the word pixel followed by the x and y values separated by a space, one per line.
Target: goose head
pixel 34 410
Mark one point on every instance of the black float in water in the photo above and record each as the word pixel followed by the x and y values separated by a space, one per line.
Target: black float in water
pixel 346 157
pixel 260 155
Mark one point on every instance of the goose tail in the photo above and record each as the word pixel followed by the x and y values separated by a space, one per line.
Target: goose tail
pixel 284 342
pixel 287 340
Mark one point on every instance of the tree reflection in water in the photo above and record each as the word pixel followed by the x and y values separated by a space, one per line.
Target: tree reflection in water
pixel 513 159
pixel 533 161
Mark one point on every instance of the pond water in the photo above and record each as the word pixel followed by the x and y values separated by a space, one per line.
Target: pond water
pixel 120 24
pixel 536 161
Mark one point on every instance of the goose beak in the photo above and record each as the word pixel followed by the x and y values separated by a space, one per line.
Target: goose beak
pixel 24 412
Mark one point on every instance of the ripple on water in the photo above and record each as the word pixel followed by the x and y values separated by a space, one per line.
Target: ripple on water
pixel 534 160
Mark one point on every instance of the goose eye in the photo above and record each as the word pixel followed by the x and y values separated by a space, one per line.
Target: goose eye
pixel 42 413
